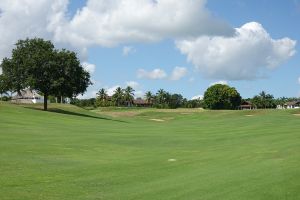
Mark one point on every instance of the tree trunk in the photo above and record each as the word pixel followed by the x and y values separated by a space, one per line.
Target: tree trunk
pixel 61 99
pixel 45 101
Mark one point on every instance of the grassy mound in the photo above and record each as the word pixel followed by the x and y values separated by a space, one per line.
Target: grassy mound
pixel 71 153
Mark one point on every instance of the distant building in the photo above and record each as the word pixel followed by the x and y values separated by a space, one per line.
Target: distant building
pixel 139 102
pixel 247 105
pixel 28 96
pixel 289 105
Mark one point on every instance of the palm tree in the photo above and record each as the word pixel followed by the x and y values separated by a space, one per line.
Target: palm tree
pixel 102 94
pixel 149 97
pixel 128 95
pixel 161 96
pixel 118 96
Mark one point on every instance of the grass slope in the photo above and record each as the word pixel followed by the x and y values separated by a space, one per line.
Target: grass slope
pixel 71 153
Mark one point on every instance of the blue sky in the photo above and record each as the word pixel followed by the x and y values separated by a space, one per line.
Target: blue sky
pixel 181 46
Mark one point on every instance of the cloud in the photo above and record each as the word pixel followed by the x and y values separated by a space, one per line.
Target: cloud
pixel 219 82
pixel 30 18
pixel 88 95
pixel 111 90
pixel 178 73
pixel 128 50
pixel 246 55
pixel 197 97
pixel 114 22
pixel 299 80
pixel 133 84
pixel 89 67
pixel 154 74
pixel 105 23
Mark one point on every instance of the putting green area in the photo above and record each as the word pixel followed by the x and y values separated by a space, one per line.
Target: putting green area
pixel 69 153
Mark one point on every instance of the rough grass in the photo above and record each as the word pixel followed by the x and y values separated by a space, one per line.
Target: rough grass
pixel 71 153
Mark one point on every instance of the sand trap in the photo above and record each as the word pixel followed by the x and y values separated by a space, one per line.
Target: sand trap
pixel 249 115
pixel 168 118
pixel 296 115
pixel 157 120
pixel 171 160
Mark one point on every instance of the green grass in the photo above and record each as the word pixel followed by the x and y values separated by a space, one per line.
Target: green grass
pixel 71 153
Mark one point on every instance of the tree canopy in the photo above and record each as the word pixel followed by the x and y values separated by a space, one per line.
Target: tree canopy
pixel 264 100
pixel 221 97
pixel 37 65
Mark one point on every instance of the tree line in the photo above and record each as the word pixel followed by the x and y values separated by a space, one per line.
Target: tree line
pixel 125 97
pixel 216 97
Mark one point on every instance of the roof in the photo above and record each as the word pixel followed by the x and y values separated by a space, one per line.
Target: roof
pixel 292 103
pixel 27 94
pixel 246 103
pixel 140 101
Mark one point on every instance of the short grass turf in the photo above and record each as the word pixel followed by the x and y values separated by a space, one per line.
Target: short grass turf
pixel 70 153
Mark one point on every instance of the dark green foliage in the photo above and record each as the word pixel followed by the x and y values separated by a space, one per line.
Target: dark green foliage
pixel 84 103
pixel 221 96
pixel 3 86
pixel 128 96
pixel 149 97
pixel 102 98
pixel 264 100
pixel 118 97
pixel 196 103
pixel 36 64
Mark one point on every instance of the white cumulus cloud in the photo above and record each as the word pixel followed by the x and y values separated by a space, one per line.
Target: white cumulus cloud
pixel 197 97
pixel 135 85
pixel 246 55
pixel 89 67
pixel 299 80
pixel 178 73
pixel 30 18
pixel 113 22
pixel 154 74
pixel 219 82
pixel 111 90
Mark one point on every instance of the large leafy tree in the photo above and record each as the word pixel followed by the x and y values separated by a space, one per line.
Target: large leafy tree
pixel 221 97
pixel 3 85
pixel 36 64
pixel 72 79
pixel 175 101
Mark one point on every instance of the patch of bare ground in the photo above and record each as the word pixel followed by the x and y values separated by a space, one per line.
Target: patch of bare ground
pixel 249 115
pixel 162 119
pixel 157 120
pixel 297 114
pixel 121 114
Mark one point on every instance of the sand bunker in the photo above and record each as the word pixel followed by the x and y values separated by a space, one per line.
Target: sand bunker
pixel 157 120
pixel 171 160
pixel 297 115
pixel 249 115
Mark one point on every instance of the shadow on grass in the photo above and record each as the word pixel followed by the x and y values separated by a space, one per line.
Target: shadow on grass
pixel 65 112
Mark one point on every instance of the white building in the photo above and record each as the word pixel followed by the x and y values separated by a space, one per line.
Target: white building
pixel 28 96
pixel 289 105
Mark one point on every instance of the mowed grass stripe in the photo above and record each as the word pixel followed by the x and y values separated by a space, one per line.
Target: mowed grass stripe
pixel 72 153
